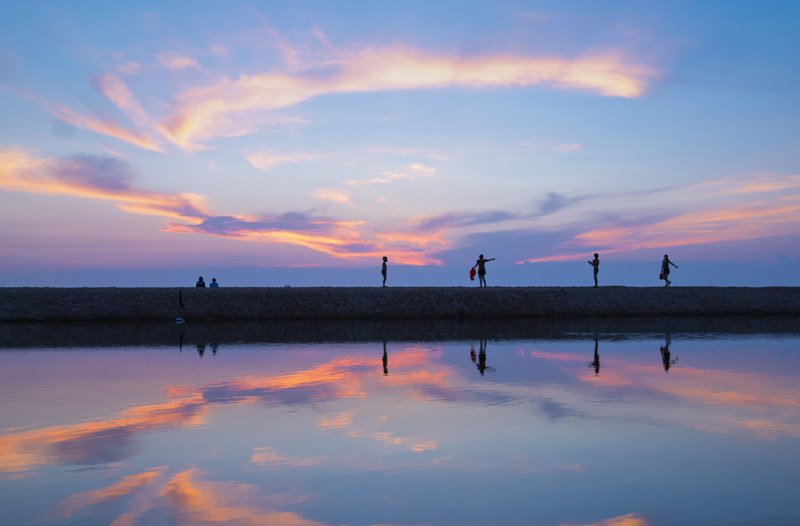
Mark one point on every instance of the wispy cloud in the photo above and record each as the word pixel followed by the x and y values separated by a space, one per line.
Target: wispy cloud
pixel 387 176
pixel 206 112
pixel 117 92
pixel 176 60
pixel 111 179
pixel 268 160
pixel 105 127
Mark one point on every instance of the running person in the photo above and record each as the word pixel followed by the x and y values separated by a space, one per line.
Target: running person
pixel 481 264
pixel 383 269
pixel 596 264
pixel 665 270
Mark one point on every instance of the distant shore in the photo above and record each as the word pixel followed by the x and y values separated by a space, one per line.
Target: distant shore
pixel 28 304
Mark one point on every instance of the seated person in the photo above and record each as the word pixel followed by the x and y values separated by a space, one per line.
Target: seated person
pixel 213 283
pixel 200 282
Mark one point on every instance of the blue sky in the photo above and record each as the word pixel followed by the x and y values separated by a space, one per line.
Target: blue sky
pixel 148 135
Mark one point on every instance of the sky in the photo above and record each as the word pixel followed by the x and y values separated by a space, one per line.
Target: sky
pixel 151 136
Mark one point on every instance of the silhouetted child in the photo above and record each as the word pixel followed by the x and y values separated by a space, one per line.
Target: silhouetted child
pixel 665 270
pixel 596 264
pixel 383 269
pixel 213 283
pixel 200 282
pixel 481 264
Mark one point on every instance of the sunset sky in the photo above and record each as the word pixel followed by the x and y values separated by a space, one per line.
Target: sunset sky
pixel 170 135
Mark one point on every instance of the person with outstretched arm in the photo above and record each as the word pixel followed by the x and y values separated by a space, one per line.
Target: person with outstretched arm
pixel 665 270
pixel 383 269
pixel 481 264
pixel 596 264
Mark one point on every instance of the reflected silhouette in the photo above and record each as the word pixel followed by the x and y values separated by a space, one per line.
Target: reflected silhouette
pixel 596 363
pixel 482 367
pixel 180 341
pixel 201 349
pixel 666 355
pixel 214 347
pixel 385 361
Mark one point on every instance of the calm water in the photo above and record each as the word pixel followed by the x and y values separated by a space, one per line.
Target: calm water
pixel 612 428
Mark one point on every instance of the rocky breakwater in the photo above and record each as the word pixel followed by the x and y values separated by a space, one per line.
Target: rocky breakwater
pixel 26 304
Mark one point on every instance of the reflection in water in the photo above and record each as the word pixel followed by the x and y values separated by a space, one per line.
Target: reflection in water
pixel 305 434
pixel 596 363
pixel 201 349
pixel 482 367
pixel 666 355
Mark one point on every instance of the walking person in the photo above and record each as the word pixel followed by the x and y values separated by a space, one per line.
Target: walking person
pixel 383 269
pixel 596 264
pixel 481 264
pixel 665 270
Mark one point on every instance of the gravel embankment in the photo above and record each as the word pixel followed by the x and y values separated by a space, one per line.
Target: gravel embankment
pixel 26 304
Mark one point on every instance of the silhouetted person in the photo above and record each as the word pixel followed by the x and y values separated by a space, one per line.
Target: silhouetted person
pixel 385 361
pixel 201 349
pixel 596 264
pixel 213 283
pixel 666 355
pixel 596 363
pixel 665 270
pixel 383 269
pixel 200 282
pixel 482 367
pixel 481 264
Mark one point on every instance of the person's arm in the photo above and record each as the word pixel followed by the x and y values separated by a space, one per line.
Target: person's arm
pixel 673 264
pixel 490 259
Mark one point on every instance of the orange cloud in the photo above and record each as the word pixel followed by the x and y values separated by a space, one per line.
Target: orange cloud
pixel 110 179
pixel 80 443
pixel 267 456
pixel 109 128
pixel 732 209
pixel 190 500
pixel 98 442
pixel 631 519
pixel 208 112
pixel 126 486
pixel 117 92
pixel 93 178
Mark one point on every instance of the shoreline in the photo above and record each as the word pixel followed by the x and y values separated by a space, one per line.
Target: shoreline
pixel 33 304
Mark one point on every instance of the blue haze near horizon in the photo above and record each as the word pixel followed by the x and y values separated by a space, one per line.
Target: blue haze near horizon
pixel 784 272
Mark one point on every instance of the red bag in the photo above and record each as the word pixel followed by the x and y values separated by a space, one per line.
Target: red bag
pixel 660 275
pixel 472 275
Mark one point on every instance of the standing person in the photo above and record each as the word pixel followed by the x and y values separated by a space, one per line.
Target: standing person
pixel 200 282
pixel 213 283
pixel 481 264
pixel 383 269
pixel 596 264
pixel 665 270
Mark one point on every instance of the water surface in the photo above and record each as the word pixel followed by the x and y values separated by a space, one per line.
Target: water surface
pixel 549 428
